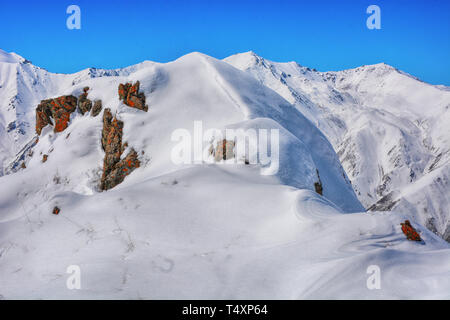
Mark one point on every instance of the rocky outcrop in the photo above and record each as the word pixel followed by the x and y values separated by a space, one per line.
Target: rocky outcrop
pixel 114 169
pixel 410 232
pixel 107 123
pixel 386 203
pixel 55 112
pixel 97 108
pixel 224 150
pixel 120 170
pixel 130 95
pixel 23 156
pixel 318 185
pixel 84 104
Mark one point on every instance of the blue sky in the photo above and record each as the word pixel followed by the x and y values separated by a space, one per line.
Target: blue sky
pixel 326 35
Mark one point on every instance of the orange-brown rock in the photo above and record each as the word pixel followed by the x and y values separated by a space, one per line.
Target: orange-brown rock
pixel 410 232
pixel 97 108
pixel 56 210
pixel 120 170
pixel 44 158
pixel 55 112
pixel 84 104
pixel 130 95
pixel 114 169
pixel 318 185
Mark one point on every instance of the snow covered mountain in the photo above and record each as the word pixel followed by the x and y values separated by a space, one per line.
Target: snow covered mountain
pixel 213 229
pixel 390 130
pixel 22 87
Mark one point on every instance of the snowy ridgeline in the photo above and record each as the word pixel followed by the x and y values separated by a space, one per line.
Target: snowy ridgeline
pixel 212 230
pixel 389 129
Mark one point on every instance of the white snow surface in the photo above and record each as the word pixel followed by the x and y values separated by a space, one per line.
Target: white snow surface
pixel 209 230
pixel 389 129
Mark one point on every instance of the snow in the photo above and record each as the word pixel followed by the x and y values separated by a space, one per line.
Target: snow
pixel 212 242
pixel 12 57
pixel 389 128
pixel 193 231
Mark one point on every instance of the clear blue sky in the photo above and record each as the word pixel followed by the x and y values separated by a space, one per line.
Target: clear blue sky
pixel 326 35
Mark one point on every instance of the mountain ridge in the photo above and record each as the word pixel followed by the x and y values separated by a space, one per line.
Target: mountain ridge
pixel 354 106
pixel 216 229
pixel 310 100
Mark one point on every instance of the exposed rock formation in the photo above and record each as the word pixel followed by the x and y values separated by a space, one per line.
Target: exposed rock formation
pixel 410 232
pixel 120 170
pixel 131 96
pixel 84 104
pixel 97 108
pixel 56 210
pixel 318 185
pixel 224 150
pixel 114 169
pixel 22 157
pixel 386 203
pixel 58 109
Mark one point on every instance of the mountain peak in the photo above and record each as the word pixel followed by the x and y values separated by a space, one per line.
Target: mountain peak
pixel 245 60
pixel 378 66
pixel 11 57
pixel 379 69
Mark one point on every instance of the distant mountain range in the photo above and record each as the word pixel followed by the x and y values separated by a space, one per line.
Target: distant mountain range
pixel 390 130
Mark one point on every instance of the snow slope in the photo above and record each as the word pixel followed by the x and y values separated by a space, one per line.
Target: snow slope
pixel 230 234
pixel 390 130
pixel 227 97
pixel 22 87
pixel 209 230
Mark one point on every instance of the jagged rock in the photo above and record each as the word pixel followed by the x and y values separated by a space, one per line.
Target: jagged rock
pixel 113 144
pixel 130 95
pixel 56 210
pixel 410 232
pixel 58 109
pixel 97 108
pixel 22 165
pixel 114 169
pixel 84 104
pixel 120 170
pixel 386 203
pixel 224 150
pixel 44 157
pixel 318 185
pixel 107 118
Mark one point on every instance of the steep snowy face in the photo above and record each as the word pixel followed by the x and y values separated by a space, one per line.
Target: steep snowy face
pixel 390 130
